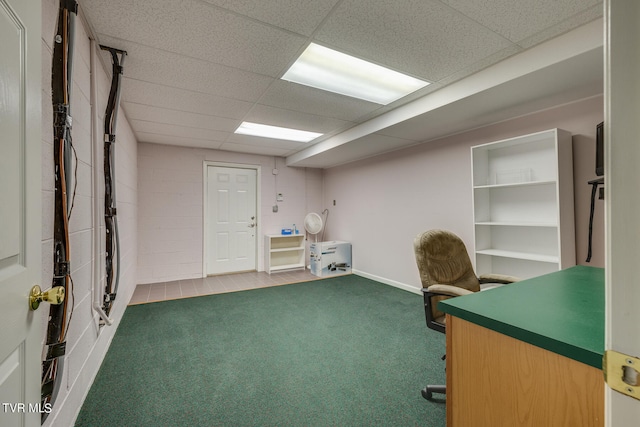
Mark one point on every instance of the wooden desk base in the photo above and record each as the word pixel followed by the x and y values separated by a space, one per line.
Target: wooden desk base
pixel 495 380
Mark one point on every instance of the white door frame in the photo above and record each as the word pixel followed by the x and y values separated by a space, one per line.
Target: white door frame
pixel 622 205
pixel 205 207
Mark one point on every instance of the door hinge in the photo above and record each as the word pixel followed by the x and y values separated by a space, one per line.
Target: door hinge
pixel 621 373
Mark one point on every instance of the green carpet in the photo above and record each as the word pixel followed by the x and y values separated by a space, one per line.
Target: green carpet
pixel 344 351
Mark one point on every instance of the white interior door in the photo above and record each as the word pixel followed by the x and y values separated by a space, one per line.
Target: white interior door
pixel 232 219
pixel 20 222
pixel 622 204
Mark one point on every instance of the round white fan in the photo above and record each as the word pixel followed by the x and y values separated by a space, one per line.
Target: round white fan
pixel 313 224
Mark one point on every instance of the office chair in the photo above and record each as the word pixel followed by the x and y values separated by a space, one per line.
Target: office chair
pixel 446 272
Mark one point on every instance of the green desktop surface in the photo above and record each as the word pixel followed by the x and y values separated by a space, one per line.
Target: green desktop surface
pixel 562 312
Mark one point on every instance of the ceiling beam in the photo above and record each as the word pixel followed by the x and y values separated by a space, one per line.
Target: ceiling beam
pixel 585 41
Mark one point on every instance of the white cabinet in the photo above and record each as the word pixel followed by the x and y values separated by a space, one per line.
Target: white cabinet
pixel 523 204
pixel 284 252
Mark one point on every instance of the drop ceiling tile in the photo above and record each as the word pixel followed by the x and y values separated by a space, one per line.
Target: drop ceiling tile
pixel 299 16
pixel 166 68
pixel 588 15
pixel 520 19
pixel 177 140
pixel 296 97
pixel 293 119
pixel 152 94
pixel 140 126
pixel 174 117
pixel 199 30
pixel 190 59
pixel 480 65
pixel 426 39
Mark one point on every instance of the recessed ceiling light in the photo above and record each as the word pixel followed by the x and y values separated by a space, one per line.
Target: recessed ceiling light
pixel 334 71
pixel 256 129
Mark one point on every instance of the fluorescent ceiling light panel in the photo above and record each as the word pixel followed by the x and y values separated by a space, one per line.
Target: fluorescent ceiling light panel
pixel 334 71
pixel 256 129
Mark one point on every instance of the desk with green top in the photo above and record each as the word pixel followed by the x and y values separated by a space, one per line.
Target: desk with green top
pixel 529 353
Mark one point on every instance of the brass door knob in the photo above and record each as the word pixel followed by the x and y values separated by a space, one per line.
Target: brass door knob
pixel 54 296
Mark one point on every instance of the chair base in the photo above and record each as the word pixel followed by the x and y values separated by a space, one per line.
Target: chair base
pixel 428 391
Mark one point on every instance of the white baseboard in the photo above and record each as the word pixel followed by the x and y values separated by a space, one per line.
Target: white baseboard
pixel 390 282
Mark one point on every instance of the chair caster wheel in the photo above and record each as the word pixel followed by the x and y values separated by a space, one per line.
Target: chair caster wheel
pixel 426 394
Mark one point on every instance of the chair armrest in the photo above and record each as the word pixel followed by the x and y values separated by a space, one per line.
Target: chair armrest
pixel 497 278
pixel 447 290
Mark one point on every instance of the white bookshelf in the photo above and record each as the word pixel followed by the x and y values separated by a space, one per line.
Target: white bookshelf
pixel 523 204
pixel 284 252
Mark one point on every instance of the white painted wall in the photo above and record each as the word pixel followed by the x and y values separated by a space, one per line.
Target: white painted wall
pixel 382 203
pixel 170 214
pixel 87 343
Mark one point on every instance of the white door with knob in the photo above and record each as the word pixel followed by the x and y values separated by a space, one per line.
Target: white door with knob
pixel 231 218
pixel 20 212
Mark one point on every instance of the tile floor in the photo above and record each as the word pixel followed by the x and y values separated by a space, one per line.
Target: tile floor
pixel 216 285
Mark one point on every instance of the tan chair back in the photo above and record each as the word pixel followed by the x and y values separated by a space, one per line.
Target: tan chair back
pixel 442 258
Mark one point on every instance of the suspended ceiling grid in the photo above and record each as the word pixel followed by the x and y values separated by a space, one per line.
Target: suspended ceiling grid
pixel 196 69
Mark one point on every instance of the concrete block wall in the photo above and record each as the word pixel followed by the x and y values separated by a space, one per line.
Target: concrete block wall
pixel 87 342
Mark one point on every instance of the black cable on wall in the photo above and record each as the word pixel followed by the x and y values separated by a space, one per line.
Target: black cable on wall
pixel 60 315
pixel 112 239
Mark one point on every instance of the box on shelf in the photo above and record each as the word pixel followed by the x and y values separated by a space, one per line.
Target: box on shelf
pixel 330 258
